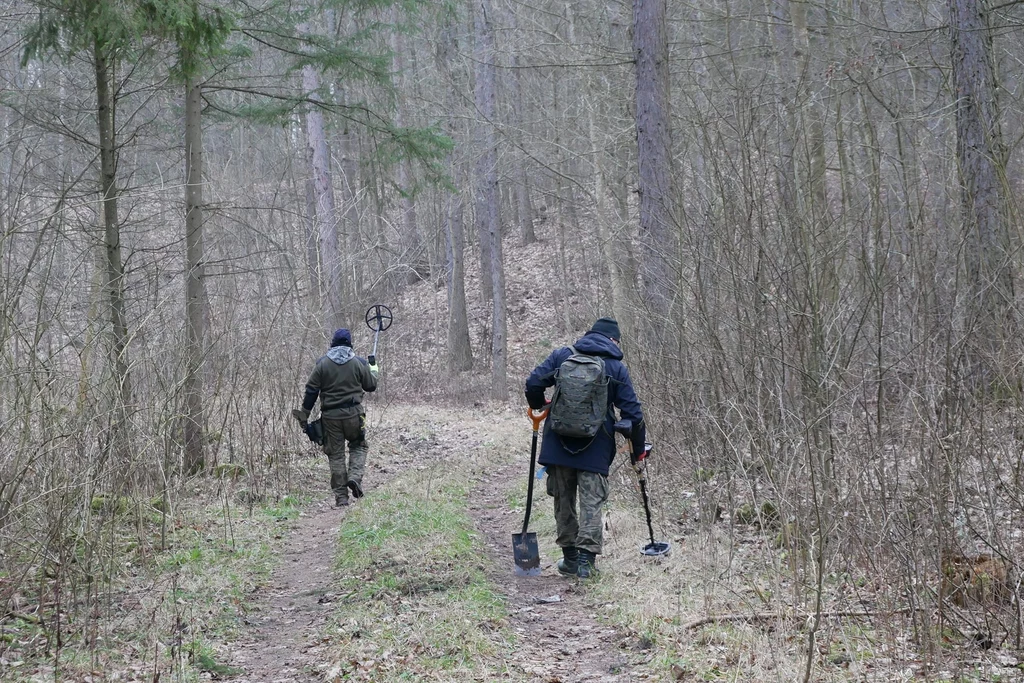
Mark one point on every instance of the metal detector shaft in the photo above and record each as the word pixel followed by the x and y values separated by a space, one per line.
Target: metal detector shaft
pixel 647 509
pixel 641 475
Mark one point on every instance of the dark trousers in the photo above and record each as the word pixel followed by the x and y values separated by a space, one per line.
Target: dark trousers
pixel 337 433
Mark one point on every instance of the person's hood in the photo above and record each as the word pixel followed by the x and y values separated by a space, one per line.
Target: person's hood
pixel 341 354
pixel 596 344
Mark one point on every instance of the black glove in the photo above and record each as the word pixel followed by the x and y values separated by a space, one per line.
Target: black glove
pixel 315 431
pixel 372 359
pixel 535 399
pixel 638 441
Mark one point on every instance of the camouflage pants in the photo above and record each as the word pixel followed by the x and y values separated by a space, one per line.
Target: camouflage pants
pixel 584 530
pixel 338 431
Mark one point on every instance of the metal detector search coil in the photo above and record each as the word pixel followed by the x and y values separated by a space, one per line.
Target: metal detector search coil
pixel 378 318
pixel 656 549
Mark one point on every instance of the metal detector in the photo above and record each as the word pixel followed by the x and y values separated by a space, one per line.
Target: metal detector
pixel 654 548
pixel 378 318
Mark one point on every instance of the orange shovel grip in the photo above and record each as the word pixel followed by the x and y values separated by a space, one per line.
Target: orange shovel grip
pixel 537 417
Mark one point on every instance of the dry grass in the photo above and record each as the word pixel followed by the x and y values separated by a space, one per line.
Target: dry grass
pixel 162 601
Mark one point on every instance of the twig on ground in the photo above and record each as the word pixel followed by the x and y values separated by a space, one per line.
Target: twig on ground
pixel 769 616
pixel 21 616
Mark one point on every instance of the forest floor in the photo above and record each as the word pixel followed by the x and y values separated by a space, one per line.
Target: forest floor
pixel 549 629
pixel 421 586
pixel 416 582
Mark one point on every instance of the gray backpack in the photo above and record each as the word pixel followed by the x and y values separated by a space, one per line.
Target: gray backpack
pixel 580 402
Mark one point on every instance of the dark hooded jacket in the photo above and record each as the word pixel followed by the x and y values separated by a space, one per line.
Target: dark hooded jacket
pixel 340 378
pixel 591 455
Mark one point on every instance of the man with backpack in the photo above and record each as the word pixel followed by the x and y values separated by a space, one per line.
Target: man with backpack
pixel 578 444
pixel 340 380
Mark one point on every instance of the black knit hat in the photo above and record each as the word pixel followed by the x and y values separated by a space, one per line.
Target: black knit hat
pixel 341 337
pixel 608 327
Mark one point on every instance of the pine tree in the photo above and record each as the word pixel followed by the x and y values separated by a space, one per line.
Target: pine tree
pixel 104 30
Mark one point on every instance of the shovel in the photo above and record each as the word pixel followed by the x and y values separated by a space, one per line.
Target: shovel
pixel 524 545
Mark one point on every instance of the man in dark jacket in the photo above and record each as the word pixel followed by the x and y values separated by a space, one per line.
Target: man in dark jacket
pixel 340 379
pixel 578 467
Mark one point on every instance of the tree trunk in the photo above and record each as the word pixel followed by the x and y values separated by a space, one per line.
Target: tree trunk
pixel 487 215
pixel 812 186
pixel 416 253
pixel 348 149
pixel 195 297
pixel 331 275
pixel 483 53
pixel 524 207
pixel 312 240
pixel 981 156
pixel 654 145
pixel 780 35
pixel 121 429
pixel 611 251
pixel 460 354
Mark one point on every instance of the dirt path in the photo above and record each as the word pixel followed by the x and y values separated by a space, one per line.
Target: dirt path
pixel 560 641
pixel 283 643
pixel 285 640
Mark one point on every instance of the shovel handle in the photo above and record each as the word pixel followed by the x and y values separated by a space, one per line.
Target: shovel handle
pixel 536 417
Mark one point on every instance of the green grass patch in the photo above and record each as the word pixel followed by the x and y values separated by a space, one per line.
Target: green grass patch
pixel 286 508
pixel 417 602
pixel 204 659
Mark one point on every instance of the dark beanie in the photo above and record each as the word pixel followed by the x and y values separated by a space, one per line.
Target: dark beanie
pixel 341 337
pixel 608 327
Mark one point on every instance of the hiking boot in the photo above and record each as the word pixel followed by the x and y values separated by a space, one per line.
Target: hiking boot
pixel 341 500
pixel 569 563
pixel 357 490
pixel 585 568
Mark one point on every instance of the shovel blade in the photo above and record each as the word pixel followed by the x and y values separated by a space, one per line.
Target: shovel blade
pixel 526 554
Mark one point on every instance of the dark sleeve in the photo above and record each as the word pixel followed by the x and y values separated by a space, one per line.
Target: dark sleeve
pixel 542 377
pixel 624 398
pixel 312 389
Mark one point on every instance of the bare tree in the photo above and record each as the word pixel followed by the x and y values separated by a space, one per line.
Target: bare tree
pixel 654 142
pixel 326 219
pixel 487 198
pixel 522 200
pixel 981 157
pixel 460 354
pixel 195 281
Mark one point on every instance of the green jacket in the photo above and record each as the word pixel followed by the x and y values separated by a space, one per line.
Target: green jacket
pixel 340 379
